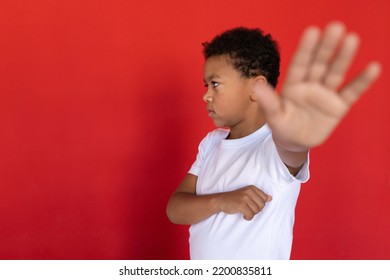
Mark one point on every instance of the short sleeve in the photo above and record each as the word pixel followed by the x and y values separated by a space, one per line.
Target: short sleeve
pixel 304 174
pixel 208 143
pixel 200 157
pixel 196 166
pixel 277 170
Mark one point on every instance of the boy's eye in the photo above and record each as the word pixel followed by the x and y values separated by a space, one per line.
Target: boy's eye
pixel 214 84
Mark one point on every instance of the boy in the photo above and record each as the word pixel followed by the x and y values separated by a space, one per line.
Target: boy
pixel 240 194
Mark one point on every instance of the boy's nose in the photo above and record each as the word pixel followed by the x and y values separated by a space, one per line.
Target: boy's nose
pixel 207 97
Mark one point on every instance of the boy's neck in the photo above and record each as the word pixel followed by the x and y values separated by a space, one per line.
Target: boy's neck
pixel 241 130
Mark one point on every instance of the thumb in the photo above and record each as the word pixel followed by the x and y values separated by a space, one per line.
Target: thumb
pixel 269 198
pixel 268 100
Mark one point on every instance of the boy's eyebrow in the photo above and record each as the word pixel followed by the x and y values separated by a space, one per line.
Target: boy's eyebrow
pixel 211 77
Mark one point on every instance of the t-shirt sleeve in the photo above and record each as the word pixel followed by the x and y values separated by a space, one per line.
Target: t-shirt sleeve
pixel 206 145
pixel 195 168
pixel 197 165
pixel 304 174
pixel 276 168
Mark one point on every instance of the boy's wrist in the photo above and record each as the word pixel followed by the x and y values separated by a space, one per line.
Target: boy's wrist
pixel 216 202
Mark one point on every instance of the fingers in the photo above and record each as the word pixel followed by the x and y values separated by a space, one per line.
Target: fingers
pixel 254 202
pixel 352 91
pixel 248 201
pixel 335 75
pixel 303 56
pixel 325 49
pixel 260 198
pixel 254 207
pixel 323 57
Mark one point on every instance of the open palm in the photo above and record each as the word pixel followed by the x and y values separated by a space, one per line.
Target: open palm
pixel 314 97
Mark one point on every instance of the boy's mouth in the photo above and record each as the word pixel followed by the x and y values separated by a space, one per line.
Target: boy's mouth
pixel 210 111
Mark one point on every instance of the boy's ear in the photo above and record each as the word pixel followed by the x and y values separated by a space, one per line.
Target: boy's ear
pixel 256 81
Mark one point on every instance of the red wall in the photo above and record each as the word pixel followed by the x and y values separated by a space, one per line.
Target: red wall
pixel 101 113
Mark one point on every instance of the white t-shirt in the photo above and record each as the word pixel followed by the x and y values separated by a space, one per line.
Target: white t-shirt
pixel 225 165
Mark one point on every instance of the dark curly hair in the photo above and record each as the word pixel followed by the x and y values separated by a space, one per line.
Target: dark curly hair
pixel 251 52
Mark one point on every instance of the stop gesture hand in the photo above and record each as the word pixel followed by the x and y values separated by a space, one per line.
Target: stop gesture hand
pixel 315 97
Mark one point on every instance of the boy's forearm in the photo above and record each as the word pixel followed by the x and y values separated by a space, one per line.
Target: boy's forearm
pixel 293 158
pixel 187 208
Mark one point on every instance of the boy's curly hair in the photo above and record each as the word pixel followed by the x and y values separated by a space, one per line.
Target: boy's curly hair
pixel 251 52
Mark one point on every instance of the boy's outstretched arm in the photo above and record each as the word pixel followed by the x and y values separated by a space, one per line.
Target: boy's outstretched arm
pixel 186 207
pixel 314 98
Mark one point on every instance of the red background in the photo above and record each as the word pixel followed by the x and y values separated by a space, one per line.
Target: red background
pixel 101 113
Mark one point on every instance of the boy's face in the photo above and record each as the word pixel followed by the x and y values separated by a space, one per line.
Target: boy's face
pixel 228 94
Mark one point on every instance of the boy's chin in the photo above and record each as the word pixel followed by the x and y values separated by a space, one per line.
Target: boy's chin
pixel 220 124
